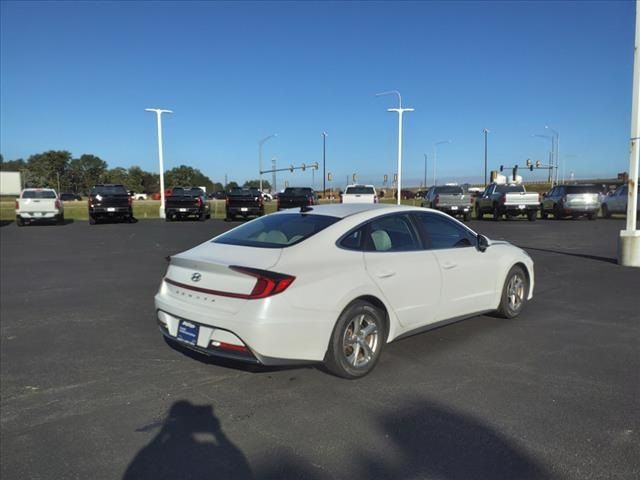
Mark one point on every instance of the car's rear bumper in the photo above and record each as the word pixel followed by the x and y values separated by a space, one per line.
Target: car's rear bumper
pixel 454 209
pixel 244 211
pixel 33 216
pixel 183 211
pixel 110 211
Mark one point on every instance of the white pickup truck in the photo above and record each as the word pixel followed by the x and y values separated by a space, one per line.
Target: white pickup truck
pixel 39 205
pixel 509 200
pixel 359 194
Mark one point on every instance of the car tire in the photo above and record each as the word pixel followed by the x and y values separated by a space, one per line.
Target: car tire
pixel 496 213
pixel 543 215
pixel 531 215
pixel 591 216
pixel 202 217
pixel 19 221
pixel 92 220
pixel 556 213
pixel 357 340
pixel 479 214
pixel 514 293
pixel 605 212
pixel 60 220
pixel 467 216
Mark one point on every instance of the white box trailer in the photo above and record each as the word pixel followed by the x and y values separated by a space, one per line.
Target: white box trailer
pixel 10 183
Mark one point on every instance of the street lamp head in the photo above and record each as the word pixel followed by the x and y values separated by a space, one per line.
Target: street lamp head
pixel 392 92
pixel 158 110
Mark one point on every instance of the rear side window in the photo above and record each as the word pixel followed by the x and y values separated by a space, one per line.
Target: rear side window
pixel 360 190
pixel 439 232
pixel 393 233
pixel 38 194
pixel 276 231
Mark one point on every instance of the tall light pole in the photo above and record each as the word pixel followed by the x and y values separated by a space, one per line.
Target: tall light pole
pixel 400 111
pixel 260 143
pixel 159 112
pixel 629 240
pixel 435 158
pixel 324 164
pixel 551 155
pixel 486 133
pixel 557 150
pixel 425 171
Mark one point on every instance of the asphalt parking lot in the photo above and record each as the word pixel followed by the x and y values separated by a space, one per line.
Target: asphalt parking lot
pixel 89 389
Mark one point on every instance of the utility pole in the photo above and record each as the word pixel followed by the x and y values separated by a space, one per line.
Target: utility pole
pixel 324 163
pixel 273 175
pixel 486 132
pixel 425 171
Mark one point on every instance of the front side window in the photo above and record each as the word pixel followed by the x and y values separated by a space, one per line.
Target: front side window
pixel 276 231
pixel 392 233
pixel 440 232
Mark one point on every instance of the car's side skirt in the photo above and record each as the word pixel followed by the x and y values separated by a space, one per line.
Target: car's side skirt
pixel 438 324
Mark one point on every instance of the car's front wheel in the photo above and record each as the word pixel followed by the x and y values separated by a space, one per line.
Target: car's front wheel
pixel 357 340
pixel 514 293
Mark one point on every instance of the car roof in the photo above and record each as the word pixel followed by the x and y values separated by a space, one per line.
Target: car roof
pixel 342 210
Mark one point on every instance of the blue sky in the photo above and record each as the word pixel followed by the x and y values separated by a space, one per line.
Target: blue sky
pixel 78 76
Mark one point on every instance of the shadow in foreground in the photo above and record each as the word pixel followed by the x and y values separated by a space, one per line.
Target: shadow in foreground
pixel 419 439
pixel 4 223
pixel 190 444
pixel 581 255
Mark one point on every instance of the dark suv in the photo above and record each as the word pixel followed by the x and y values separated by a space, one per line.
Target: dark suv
pixel 110 201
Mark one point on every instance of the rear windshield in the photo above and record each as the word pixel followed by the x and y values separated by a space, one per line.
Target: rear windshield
pixel 38 194
pixel 302 191
pixel 571 189
pixel 276 231
pixel 449 190
pixel 509 188
pixel 244 193
pixel 186 192
pixel 360 190
pixel 109 190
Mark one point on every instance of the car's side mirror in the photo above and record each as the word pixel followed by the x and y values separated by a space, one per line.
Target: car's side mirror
pixel 483 243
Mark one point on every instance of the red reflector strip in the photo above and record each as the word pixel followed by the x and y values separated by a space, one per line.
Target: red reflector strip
pixel 229 346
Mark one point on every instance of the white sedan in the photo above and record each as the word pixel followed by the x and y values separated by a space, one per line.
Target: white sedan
pixel 334 283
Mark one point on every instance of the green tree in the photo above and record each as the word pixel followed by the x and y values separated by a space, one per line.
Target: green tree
pixel 118 175
pixel 47 169
pixel 184 176
pixel 86 171
pixel 231 186
pixel 217 187
pixel 17 165
pixel 256 184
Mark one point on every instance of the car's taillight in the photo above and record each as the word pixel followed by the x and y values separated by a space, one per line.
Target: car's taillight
pixel 375 199
pixel 199 201
pixel 310 201
pixel 436 200
pixel 130 200
pixel 226 201
pixel 57 204
pixel 267 284
pixel 17 204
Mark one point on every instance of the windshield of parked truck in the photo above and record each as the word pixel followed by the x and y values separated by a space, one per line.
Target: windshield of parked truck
pixel 39 194
pixel 449 190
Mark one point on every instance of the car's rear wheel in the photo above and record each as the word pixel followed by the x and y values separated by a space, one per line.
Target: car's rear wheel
pixel 60 219
pixel 591 216
pixel 496 213
pixel 357 340
pixel 92 220
pixel 543 214
pixel 531 215
pixel 514 293
pixel 479 214
pixel 19 221
pixel 557 213
pixel 605 211
pixel 467 216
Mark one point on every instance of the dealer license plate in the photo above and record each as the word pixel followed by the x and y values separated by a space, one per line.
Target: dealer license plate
pixel 188 332
pixel 183 209
pixel 111 209
pixel 521 207
pixel 454 208
pixel 244 209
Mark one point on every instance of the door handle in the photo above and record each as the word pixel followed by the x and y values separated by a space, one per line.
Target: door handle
pixel 449 265
pixel 385 274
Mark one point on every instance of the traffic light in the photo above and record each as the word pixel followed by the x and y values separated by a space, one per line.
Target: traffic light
pixel 501 167
pixel 531 167
pixel 537 163
pixel 385 178
pixel 515 172
pixel 315 165
pixel 395 178
pixel 353 178
pixel 529 162
pixel 291 168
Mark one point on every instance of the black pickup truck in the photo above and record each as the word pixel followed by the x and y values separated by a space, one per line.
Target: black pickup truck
pixel 244 202
pixel 110 202
pixel 185 202
pixel 293 197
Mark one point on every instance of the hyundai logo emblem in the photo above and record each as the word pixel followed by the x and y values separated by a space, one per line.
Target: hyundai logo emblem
pixel 196 277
